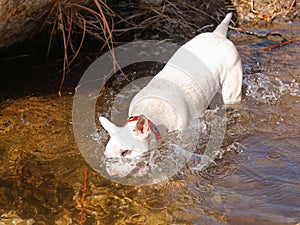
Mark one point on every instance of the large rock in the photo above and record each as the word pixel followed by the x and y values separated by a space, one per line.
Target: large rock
pixel 20 19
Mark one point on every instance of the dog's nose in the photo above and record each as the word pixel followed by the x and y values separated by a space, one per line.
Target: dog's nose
pixel 125 153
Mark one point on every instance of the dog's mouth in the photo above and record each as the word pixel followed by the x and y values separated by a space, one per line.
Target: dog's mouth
pixel 117 168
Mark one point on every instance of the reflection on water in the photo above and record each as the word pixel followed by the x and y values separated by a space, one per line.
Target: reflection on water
pixel 255 181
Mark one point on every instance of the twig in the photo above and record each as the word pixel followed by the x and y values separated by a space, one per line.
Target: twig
pixel 280 44
pixel 83 195
pixel 201 11
pixel 53 27
pixel 81 42
pixel 61 27
pixel 15 57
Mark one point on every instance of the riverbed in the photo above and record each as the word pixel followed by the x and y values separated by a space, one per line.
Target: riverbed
pixel 255 181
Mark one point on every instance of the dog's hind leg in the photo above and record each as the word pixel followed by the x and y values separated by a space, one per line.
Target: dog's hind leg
pixel 232 84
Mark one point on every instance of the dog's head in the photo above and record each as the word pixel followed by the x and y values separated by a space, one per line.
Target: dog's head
pixel 136 137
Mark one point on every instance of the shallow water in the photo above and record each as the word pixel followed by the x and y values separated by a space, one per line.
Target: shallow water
pixel 255 181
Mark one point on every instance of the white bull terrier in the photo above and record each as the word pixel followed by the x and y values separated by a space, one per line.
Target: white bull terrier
pixel 178 94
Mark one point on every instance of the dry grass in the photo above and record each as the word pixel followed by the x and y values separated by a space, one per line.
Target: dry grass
pixel 68 19
pixel 178 20
pixel 250 11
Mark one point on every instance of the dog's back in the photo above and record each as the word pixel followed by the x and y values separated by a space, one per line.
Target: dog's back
pixel 182 91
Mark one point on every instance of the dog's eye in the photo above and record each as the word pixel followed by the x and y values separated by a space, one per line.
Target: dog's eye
pixel 126 152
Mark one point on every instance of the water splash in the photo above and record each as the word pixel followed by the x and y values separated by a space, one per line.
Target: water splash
pixel 268 89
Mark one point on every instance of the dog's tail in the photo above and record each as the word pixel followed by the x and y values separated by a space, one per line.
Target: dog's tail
pixel 222 28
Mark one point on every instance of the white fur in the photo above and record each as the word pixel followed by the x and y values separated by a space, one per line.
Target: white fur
pixel 183 89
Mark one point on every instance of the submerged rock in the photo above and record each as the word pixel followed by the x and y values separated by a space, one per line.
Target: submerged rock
pixel 12 218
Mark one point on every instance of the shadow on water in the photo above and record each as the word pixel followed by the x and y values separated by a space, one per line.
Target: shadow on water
pixel 255 180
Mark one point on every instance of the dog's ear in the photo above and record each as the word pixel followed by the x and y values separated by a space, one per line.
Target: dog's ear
pixel 107 125
pixel 142 123
pixel 142 128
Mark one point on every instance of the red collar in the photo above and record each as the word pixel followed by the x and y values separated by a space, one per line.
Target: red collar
pixel 153 128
